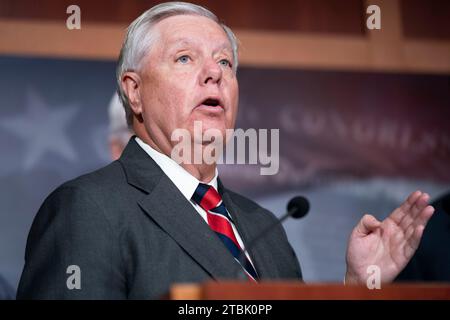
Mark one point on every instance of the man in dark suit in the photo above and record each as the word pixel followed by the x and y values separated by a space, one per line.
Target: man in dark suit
pixel 145 222
pixel 133 234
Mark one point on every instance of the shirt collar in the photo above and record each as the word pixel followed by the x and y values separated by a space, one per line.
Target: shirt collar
pixel 183 180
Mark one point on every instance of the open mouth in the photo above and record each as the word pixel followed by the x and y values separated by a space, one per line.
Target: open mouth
pixel 211 102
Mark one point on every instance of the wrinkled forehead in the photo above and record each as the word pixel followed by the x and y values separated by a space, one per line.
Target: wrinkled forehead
pixel 191 30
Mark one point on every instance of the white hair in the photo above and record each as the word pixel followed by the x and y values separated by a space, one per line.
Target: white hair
pixel 138 40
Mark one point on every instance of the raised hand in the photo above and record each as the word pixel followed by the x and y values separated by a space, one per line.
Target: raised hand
pixel 387 244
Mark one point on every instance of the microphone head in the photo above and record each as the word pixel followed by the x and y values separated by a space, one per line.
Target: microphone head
pixel 298 207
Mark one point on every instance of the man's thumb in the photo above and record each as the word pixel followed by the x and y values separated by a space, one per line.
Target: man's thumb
pixel 368 224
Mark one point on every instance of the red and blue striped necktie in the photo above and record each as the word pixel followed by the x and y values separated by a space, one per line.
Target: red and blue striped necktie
pixel 220 222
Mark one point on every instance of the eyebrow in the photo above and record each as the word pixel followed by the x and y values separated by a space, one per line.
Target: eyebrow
pixel 182 42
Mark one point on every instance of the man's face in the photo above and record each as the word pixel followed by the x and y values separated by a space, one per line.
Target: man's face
pixel 187 76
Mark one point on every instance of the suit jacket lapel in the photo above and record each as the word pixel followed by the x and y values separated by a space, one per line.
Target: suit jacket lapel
pixel 165 204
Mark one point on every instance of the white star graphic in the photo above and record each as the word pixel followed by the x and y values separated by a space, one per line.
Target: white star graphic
pixel 42 129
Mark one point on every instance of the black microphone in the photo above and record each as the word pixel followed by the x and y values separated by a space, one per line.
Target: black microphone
pixel 297 208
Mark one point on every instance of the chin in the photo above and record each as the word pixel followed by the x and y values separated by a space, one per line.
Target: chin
pixel 210 127
pixel 210 123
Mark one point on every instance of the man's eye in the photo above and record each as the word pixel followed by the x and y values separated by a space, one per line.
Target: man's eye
pixel 225 63
pixel 184 59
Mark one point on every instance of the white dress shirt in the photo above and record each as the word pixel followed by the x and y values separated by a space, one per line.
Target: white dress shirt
pixel 184 181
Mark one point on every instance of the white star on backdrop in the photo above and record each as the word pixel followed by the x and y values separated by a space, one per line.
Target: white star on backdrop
pixel 43 129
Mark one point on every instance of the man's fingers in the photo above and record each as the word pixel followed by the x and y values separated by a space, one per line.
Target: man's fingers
pixel 414 241
pixel 419 205
pixel 412 198
pixel 367 224
pixel 411 216
pixel 423 217
pixel 400 212
pixel 415 231
pixel 414 211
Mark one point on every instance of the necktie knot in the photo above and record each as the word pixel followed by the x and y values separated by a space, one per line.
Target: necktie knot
pixel 206 197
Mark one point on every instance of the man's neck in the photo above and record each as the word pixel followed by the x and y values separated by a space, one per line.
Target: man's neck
pixel 202 172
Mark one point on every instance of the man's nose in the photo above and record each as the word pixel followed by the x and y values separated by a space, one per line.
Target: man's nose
pixel 212 73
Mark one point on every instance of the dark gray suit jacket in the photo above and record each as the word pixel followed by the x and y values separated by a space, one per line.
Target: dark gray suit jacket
pixel 133 234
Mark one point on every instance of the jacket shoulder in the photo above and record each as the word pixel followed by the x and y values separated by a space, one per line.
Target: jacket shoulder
pixel 98 179
pixel 97 193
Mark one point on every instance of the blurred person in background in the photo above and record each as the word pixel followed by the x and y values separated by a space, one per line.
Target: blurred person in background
pixel 119 131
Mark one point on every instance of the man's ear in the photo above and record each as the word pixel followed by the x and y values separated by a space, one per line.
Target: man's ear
pixel 131 83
